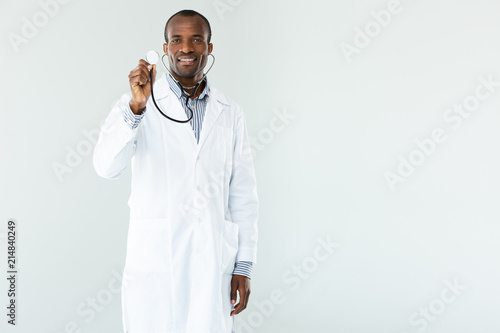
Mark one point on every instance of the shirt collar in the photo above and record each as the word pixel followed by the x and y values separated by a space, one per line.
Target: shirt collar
pixel 172 82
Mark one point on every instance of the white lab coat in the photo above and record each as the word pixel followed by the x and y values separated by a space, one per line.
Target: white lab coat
pixel 193 212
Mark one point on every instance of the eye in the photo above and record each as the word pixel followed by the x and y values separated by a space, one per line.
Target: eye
pixel 197 40
pixel 175 40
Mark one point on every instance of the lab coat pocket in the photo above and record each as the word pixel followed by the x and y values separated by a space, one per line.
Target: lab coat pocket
pixel 229 246
pixel 148 245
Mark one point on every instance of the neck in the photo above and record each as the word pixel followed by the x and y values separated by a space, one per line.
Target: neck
pixel 191 83
pixel 188 81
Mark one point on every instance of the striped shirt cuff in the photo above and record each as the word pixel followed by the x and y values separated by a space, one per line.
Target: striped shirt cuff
pixel 131 118
pixel 243 268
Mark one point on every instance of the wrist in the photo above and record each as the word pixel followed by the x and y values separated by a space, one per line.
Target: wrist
pixel 137 109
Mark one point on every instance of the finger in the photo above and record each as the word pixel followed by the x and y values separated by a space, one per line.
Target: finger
pixel 234 288
pixel 144 63
pixel 143 66
pixel 237 309
pixel 139 80
pixel 139 70
pixel 154 73
pixel 242 304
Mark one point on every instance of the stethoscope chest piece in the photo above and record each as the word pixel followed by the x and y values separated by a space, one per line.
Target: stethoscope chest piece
pixel 152 57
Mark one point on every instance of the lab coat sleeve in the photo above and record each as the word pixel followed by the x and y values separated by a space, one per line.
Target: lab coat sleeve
pixel 116 144
pixel 243 201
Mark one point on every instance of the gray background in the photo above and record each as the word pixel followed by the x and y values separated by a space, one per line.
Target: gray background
pixel 321 175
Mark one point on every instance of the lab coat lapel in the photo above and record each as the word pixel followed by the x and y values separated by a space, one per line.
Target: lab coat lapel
pixel 215 106
pixel 171 106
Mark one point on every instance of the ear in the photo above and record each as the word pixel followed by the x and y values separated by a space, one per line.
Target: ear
pixel 210 47
pixel 165 48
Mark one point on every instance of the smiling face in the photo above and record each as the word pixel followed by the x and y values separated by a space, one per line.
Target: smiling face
pixel 187 47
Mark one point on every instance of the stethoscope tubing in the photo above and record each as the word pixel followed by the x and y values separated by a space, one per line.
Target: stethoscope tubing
pixel 183 93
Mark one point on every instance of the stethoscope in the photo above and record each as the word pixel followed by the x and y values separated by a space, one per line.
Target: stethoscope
pixel 152 57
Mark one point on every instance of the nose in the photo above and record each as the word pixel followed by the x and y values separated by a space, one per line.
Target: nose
pixel 186 47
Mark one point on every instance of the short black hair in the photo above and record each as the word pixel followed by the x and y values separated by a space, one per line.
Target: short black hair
pixel 189 12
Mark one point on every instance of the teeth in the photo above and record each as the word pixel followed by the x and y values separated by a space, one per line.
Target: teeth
pixel 186 59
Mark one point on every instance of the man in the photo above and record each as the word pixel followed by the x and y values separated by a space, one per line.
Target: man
pixel 193 204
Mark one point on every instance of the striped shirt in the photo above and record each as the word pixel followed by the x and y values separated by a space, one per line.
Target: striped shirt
pixel 198 105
